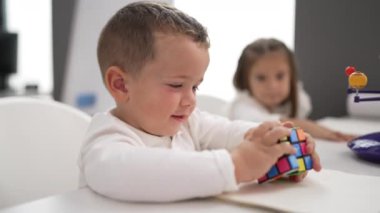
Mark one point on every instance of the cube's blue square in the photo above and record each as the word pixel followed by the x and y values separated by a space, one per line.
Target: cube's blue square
pixel 293 136
pixel 308 162
pixel 293 162
pixel 273 172
pixel 298 148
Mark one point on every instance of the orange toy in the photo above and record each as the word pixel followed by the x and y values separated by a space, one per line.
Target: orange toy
pixel 356 79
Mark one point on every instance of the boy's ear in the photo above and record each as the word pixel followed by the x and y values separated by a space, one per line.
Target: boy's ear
pixel 115 80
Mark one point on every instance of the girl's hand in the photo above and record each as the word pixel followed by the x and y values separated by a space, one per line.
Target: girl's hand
pixel 322 132
pixel 339 136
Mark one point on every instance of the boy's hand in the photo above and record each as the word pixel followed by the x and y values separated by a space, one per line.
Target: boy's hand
pixel 310 148
pixel 260 150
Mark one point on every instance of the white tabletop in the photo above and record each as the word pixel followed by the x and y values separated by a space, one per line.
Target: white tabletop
pixel 333 156
pixel 85 200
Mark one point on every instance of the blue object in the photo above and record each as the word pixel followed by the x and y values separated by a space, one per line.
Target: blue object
pixel 85 100
pixel 367 147
pixel 308 162
pixel 273 172
pixel 293 136
pixel 293 162
pixel 298 148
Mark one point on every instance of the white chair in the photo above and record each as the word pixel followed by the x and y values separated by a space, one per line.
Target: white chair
pixel 212 105
pixel 39 146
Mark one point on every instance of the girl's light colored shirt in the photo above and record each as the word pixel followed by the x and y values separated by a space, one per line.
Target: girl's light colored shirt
pixel 122 162
pixel 246 107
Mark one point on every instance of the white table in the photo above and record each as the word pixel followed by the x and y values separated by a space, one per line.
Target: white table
pixel 333 156
pixel 85 200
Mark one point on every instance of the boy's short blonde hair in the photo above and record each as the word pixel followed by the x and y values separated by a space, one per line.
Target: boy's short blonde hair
pixel 127 40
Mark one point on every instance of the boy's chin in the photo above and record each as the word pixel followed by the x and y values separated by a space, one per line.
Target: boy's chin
pixel 171 133
pixel 165 132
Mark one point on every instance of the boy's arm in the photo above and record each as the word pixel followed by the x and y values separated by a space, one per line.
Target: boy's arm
pixel 125 172
pixel 217 132
pixel 249 111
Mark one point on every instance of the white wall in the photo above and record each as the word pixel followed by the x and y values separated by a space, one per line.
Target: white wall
pixel 83 76
pixel 231 26
pixel 32 21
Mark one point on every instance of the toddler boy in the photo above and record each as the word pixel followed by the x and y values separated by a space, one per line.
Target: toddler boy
pixel 154 145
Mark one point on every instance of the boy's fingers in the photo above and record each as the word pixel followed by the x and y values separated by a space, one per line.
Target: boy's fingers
pixel 316 162
pixel 310 143
pixel 310 148
pixel 298 178
pixel 283 148
pixel 265 127
pixel 274 135
pixel 288 124
pixel 249 134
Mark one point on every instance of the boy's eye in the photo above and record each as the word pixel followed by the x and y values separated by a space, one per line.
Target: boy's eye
pixel 175 85
pixel 195 88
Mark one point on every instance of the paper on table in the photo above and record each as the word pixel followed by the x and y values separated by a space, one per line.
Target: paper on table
pixel 326 191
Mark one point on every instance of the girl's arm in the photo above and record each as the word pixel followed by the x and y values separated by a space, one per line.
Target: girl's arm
pixel 319 131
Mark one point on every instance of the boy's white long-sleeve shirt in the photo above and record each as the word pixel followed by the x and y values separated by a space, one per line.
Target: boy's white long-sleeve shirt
pixel 122 162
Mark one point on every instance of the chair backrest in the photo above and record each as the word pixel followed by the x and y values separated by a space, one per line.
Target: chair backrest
pixel 39 146
pixel 212 104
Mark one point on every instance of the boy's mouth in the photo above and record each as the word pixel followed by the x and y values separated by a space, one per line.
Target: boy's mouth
pixel 180 118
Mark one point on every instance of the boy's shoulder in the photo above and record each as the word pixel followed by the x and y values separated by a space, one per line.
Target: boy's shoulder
pixel 106 127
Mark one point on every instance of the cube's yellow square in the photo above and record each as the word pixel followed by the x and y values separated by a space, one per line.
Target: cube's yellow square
pixel 301 165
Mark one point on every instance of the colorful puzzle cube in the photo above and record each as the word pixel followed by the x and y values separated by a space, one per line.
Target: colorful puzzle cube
pixel 298 140
pixel 289 165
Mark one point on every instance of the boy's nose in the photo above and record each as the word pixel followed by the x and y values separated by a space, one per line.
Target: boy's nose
pixel 188 99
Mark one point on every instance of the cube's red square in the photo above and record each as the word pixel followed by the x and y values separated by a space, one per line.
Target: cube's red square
pixel 303 148
pixel 283 165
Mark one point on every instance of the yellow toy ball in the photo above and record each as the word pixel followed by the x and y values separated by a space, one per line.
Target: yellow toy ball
pixel 357 80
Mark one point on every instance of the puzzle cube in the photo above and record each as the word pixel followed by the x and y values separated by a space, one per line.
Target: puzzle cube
pixel 289 165
pixel 298 140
